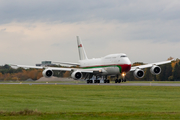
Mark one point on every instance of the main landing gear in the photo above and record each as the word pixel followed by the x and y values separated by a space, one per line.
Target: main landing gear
pixel 105 80
pixel 98 81
pixel 93 81
pixel 120 80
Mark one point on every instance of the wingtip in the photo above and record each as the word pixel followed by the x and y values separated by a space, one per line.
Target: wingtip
pixel 172 60
pixel 11 64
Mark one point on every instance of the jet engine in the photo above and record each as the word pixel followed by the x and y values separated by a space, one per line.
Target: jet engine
pixel 76 75
pixel 155 70
pixel 47 73
pixel 138 73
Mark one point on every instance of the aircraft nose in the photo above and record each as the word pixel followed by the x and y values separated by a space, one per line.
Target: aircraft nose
pixel 126 68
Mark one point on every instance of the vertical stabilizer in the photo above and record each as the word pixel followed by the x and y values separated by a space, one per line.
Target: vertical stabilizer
pixel 82 53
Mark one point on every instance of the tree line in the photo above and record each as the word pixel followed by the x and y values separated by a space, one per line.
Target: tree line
pixel 169 72
pixel 8 73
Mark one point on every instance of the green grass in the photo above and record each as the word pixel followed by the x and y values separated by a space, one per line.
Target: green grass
pixel 78 81
pixel 89 102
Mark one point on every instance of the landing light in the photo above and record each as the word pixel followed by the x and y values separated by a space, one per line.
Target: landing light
pixel 123 74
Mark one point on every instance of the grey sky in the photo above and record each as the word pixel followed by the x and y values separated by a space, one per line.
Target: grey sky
pixel 32 31
pixel 80 10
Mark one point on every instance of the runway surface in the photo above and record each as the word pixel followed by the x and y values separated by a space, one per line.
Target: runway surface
pixel 111 84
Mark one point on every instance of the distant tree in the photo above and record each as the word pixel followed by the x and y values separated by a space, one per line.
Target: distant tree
pixel 7 76
pixel 168 71
pixel 1 76
pixel 66 74
pixel 148 76
pixel 175 73
pixel 170 58
pixel 137 63
pixel 39 75
pixel 6 67
pixel 130 76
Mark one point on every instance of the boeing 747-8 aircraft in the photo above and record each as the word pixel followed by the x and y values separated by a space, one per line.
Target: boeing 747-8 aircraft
pixel 110 65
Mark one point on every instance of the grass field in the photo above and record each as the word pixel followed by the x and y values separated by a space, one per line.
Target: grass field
pixel 68 102
pixel 83 81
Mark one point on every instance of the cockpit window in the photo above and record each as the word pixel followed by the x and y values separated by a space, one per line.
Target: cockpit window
pixel 123 56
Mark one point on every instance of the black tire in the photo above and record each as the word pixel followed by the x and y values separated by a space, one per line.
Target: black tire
pixel 104 81
pixel 116 81
pixel 87 81
pixel 119 81
pixel 108 81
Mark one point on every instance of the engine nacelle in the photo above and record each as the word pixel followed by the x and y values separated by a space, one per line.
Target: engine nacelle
pixel 76 75
pixel 138 73
pixel 155 70
pixel 47 73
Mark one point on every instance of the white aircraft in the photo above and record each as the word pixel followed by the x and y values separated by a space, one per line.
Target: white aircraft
pixel 110 65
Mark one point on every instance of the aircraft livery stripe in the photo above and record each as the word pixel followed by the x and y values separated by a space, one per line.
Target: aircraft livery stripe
pixel 119 66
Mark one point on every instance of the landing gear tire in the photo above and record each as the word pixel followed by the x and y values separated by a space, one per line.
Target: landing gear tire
pixel 124 80
pixel 119 81
pixel 106 81
pixel 96 81
pixel 89 81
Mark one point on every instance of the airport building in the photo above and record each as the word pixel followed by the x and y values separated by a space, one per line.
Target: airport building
pixel 45 63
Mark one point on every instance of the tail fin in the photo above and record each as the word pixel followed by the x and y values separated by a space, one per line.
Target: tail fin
pixel 82 53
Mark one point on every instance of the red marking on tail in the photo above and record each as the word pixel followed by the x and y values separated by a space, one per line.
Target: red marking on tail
pixel 80 45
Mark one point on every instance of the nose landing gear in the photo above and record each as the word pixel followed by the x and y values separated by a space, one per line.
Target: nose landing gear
pixel 121 80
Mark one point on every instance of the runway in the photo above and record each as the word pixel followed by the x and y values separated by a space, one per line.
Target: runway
pixel 105 84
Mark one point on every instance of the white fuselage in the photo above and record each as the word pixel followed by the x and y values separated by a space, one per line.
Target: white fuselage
pixel 113 64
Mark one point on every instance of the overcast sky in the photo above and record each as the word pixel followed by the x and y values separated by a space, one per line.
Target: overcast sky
pixel 32 31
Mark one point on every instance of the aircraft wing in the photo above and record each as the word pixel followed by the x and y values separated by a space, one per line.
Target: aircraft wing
pixel 149 65
pixel 95 70
pixel 67 63
pixel 26 66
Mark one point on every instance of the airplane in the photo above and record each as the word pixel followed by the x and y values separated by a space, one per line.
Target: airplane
pixel 111 65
